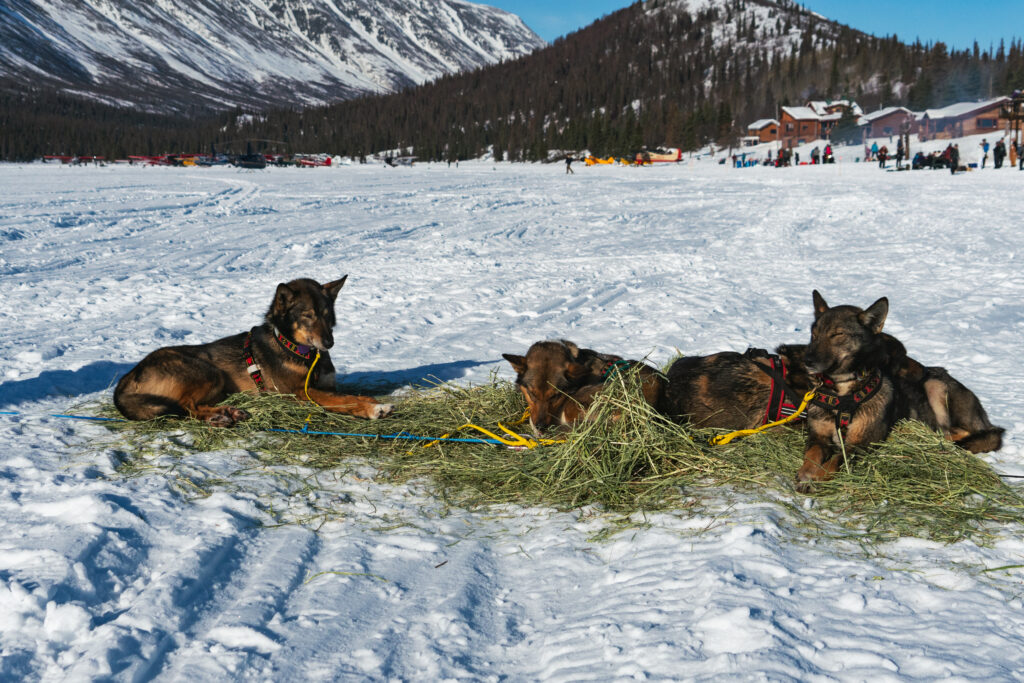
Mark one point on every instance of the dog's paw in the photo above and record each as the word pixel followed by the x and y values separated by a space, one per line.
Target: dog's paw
pixel 805 487
pixel 220 420
pixel 227 416
pixel 380 410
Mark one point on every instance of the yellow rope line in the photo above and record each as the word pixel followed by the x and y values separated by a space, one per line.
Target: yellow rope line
pixel 305 388
pixel 723 439
pixel 514 440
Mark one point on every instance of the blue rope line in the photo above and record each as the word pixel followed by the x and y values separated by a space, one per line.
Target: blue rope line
pixel 69 417
pixel 400 436
pixel 406 436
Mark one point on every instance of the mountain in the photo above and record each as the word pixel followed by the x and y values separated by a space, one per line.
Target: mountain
pixel 679 73
pixel 195 55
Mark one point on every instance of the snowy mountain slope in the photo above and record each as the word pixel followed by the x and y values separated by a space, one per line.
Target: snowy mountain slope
pixel 181 53
pixel 105 577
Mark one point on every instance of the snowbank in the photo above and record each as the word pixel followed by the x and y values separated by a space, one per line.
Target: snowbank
pixel 104 575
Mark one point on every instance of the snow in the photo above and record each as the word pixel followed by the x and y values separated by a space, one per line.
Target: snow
pixel 127 578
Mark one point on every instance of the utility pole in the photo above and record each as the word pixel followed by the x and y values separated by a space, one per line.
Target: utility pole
pixel 1013 111
pixel 905 132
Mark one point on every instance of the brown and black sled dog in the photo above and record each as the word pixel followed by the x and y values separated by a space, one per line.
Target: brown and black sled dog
pixel 869 384
pixel 742 391
pixel 560 380
pixel 274 356
pixel 731 390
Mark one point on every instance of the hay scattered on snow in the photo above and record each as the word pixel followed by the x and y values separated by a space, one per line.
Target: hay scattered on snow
pixel 628 459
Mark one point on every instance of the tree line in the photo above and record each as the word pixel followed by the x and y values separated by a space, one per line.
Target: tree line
pixel 650 74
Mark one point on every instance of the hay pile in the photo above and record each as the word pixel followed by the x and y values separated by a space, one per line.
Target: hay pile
pixel 915 484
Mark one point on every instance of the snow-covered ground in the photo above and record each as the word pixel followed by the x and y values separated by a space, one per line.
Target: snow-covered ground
pixel 101 575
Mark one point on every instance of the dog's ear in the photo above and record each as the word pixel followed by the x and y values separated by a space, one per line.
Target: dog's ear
pixel 574 351
pixel 874 317
pixel 331 289
pixel 895 351
pixel 819 304
pixel 577 372
pixel 283 298
pixel 518 362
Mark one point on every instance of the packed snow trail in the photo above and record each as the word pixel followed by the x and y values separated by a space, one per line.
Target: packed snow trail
pixel 103 575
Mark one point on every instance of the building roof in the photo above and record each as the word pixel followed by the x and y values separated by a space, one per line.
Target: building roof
pixel 955 111
pixel 801 113
pixel 762 123
pixel 821 107
pixel 882 113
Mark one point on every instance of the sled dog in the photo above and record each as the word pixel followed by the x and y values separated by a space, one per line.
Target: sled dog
pixel 742 391
pixel 560 380
pixel 273 356
pixel 731 390
pixel 857 403
pixel 870 383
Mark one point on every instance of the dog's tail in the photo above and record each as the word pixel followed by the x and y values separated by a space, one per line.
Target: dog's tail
pixel 983 441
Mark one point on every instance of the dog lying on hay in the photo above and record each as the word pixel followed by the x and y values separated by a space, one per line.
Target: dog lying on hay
pixel 868 387
pixel 743 391
pixel 560 381
pixel 274 356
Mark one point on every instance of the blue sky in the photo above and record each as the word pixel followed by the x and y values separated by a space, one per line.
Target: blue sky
pixel 955 22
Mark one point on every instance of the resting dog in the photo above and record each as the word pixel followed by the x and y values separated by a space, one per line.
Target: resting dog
pixel 929 394
pixel 274 356
pixel 857 404
pixel 730 390
pixel 560 380
pixel 848 350
pixel 742 391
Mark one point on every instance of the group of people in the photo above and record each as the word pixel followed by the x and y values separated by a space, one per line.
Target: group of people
pixel 998 153
pixel 947 158
pixel 881 154
pixel 789 157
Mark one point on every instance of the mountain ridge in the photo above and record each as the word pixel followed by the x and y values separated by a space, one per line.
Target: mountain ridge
pixel 185 55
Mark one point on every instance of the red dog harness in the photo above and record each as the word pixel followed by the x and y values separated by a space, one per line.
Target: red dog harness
pixel 782 401
pixel 304 352
pixel 251 367
pixel 846 406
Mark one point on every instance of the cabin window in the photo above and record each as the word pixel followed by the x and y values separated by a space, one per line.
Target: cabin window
pixel 987 123
pixel 789 127
pixel 774 131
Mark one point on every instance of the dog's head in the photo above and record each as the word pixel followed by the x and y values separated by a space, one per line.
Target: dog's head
pixel 547 374
pixel 846 339
pixel 303 310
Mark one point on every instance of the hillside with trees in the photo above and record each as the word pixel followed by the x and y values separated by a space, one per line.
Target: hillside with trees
pixel 650 74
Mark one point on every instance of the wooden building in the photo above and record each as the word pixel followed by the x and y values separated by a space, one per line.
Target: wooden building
pixel 962 119
pixel 765 130
pixel 798 125
pixel 888 121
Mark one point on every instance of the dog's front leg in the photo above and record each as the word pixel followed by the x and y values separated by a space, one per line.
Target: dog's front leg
pixel 359 406
pixel 820 462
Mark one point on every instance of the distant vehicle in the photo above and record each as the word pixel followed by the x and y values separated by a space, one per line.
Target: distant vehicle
pixel 313 160
pixel 152 160
pixel 250 159
pixel 659 155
